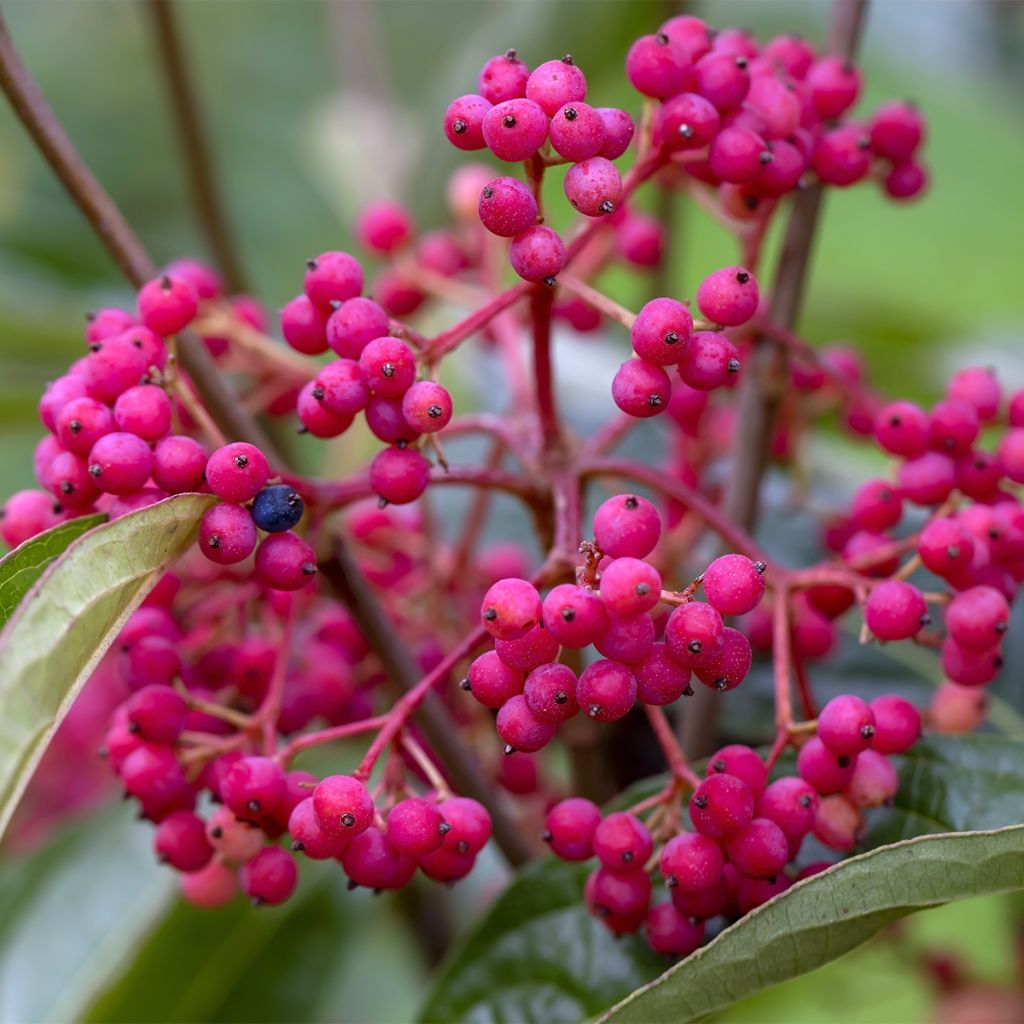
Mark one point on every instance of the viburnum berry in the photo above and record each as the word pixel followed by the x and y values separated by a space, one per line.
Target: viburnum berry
pixel 415 827
pixel 538 254
pixel 427 407
pixel 388 367
pixel 709 361
pixel 253 786
pixel 606 690
pixel 723 79
pixel 734 584
pixel 180 840
pixel 515 129
pixel 26 513
pixel 897 724
pixel 730 665
pixel 550 693
pixel 492 682
pixel 353 325
pixel 179 464
pixel 314 415
pixel 977 618
pixel 846 725
pixel 969 667
pixel 237 472
pixel 694 633
pixel 957 709
pixel 657 66
pixel 661 332
pixel 833 86
pixel 628 638
pixel 622 842
pixel 277 508
pixel 520 729
pixel 629 586
pixel 627 526
pixel 569 828
pixel 827 771
pixel 332 277
pixel 742 762
pixel 510 609
pixel 618 899
pixel 838 822
pixel 120 463
pixel 384 226
pixel 464 122
pixel 760 850
pixel 593 186
pixel 574 616
pixel 721 806
pixel 928 479
pixel 895 610
pixel 687 121
pixel 660 679
pixel 270 877
pixel 307 835
pixel 507 207
pixel 874 781
pixel 470 826
pixel 577 131
pixel 167 304
pixel 691 861
pixel 503 78
pixel 399 475
pixel 842 156
pixel 641 389
pixel 342 805
pixel 618 132
pixel 555 83
pixel 528 652
pixel 729 296
pixel 792 803
pixel 285 561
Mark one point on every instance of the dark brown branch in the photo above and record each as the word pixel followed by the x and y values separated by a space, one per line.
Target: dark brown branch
pixel 766 376
pixel 28 102
pixel 198 159
pixel 465 771
pixel 121 241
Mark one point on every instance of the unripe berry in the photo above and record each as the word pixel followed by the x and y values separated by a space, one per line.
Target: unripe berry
pixel 692 862
pixel 825 770
pixel 978 618
pixel 731 663
pixel 897 724
pixel 550 693
pixel 661 332
pixel 957 709
pixel 464 122
pixel 629 586
pixel 606 691
pixel 180 840
pixel 507 207
pixel 285 561
pixel 978 386
pixel 569 828
pixel 895 610
pixel 721 806
pixel 342 805
pixel 641 389
pixel 760 850
pixel 237 472
pixel 622 842
pixel 167 304
pixel 510 609
pixel 555 83
pixel 838 823
pixel 120 463
pixel 270 877
pixel 399 475
pixel 687 121
pixel 515 130
pixel 331 278
pixel 577 131
pixel 593 186
pixel 660 679
pixel 520 729
pixel 538 254
pixel 658 67
pixel 734 584
pixel 427 407
pixel 627 526
pixel 628 638
pixel 304 326
pixel 846 725
pixel 574 616
pixel 415 827
pixel 384 227
pixel 874 781
pixel 729 296
pixel 709 362
pixel 211 886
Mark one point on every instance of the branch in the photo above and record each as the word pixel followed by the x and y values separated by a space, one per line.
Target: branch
pixel 766 377
pixel 116 234
pixel 197 157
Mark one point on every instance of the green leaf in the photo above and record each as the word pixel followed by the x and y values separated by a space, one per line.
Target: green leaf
pixel 72 910
pixel 825 916
pixel 20 568
pixel 69 618
pixel 538 955
pixel 954 784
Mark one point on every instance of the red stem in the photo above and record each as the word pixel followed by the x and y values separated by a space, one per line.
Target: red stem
pixel 677 763
pixel 331 735
pixel 544 381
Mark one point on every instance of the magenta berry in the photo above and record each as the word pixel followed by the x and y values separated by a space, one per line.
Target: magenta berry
pixel 760 850
pixel 167 304
pixel 144 411
pixel 492 682
pixel 569 828
pixel 846 725
pixel 342 806
pixel 641 389
pixel 555 83
pixel 332 277
pixel 353 325
pixel 723 79
pixel 538 254
pixel 550 693
pixel 503 78
pixel 694 634
pixel 388 367
pixel 470 826
pixel 314 416
pixel 737 154
pixel 227 534
pixel 877 506
pixel 82 422
pixel 515 130
pixel 622 842
pixel 606 690
pixel 157 714
pixel 734 584
pixel 427 407
pixel 627 526
pixel 237 472
pixel 834 85
pixel 661 332
pixel 341 388
pixel 875 781
pixel 507 207
pixel 792 804
pixel 842 156
pixel 528 652
pixel 897 725
pixel 721 806
pixel 510 609
pixel 978 618
pixel 660 679
pixel 687 121
pixel 285 561
pixel 618 132
pixel 978 387
pixel 709 362
pixel 577 131
pixel 253 786
pixel 121 363
pixel 464 122
pixel 629 586
pixel 825 770
pixel 671 933
pixel 742 762
pixel 399 475
pixel 729 296
pixel 180 841
pixel 384 226
pixel 575 617
pixel 25 514
pixel 692 862
pixel 307 835
pixel 657 66
pixel 895 610
pixel 415 827
pixel 120 463
pixel 838 823
pixel 270 877
pixel 520 729
pixel 619 899
pixel 628 638
pixel 593 186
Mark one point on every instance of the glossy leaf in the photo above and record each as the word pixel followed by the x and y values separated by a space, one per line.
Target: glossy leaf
pixel 538 955
pixel 825 916
pixel 20 568
pixel 68 619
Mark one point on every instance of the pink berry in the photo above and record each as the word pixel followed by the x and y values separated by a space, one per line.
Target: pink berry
pixel 119 365
pixel 978 618
pixel 906 180
pixel 731 663
pixel 661 331
pixel 728 296
pixel 957 709
pixel 874 781
pixel 427 406
pixel 332 277
pixel 629 586
pixel 550 693
pixel 694 634
pixel 167 304
pixel 555 83
pixel 928 479
pixel 895 610
pixel 734 584
pixel 846 725
pixel 180 840
pixel 842 156
pixel 656 66
pixel 120 463
pixel 503 78
pixel 687 121
pixel 341 388
pixel 838 823
pixel 569 828
pixel 660 679
pixel 618 132
pixel 574 616
pixel 690 33
pixel 593 186
pixel 415 827
pixel 709 361
pixel 388 367
pixel 520 729
pixel 622 842
pixel 470 826
pixel 399 475
pixel 492 682
pixel 834 85
pixel 627 526
pixel 606 690
pixel 507 207
pixel 82 422
pixel 827 771
pixel 577 131
pixel 270 877
pixel 897 725
pixel 721 806
pixel 285 561
pixel 384 227
pixel 307 835
pixel 897 130
pixel 211 886
pixel 304 326
pixel 227 534
pixel 742 762
pixel 723 79
pixel 144 411
pixel 876 506
pixel 237 472
pixel 692 862
pixel 510 609
pixel 641 389
pixel 354 324
pixel 760 850
pixel 528 652
pixel 464 122
pixel 538 254
pixel 343 806
pixel 737 154
pixel 792 804
pixel 105 323
pixel 619 899
pixel 628 638
pixel 515 130
pixel 26 513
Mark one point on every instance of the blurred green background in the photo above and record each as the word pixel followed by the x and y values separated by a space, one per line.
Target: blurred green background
pixel 314 108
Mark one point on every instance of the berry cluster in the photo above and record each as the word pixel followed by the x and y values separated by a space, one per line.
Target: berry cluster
pixel 744 829
pixel 611 607
pixel 244 656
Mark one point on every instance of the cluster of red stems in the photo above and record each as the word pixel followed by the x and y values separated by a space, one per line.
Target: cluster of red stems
pixel 242 658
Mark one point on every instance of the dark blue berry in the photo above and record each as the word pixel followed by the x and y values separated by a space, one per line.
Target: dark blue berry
pixel 277 508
